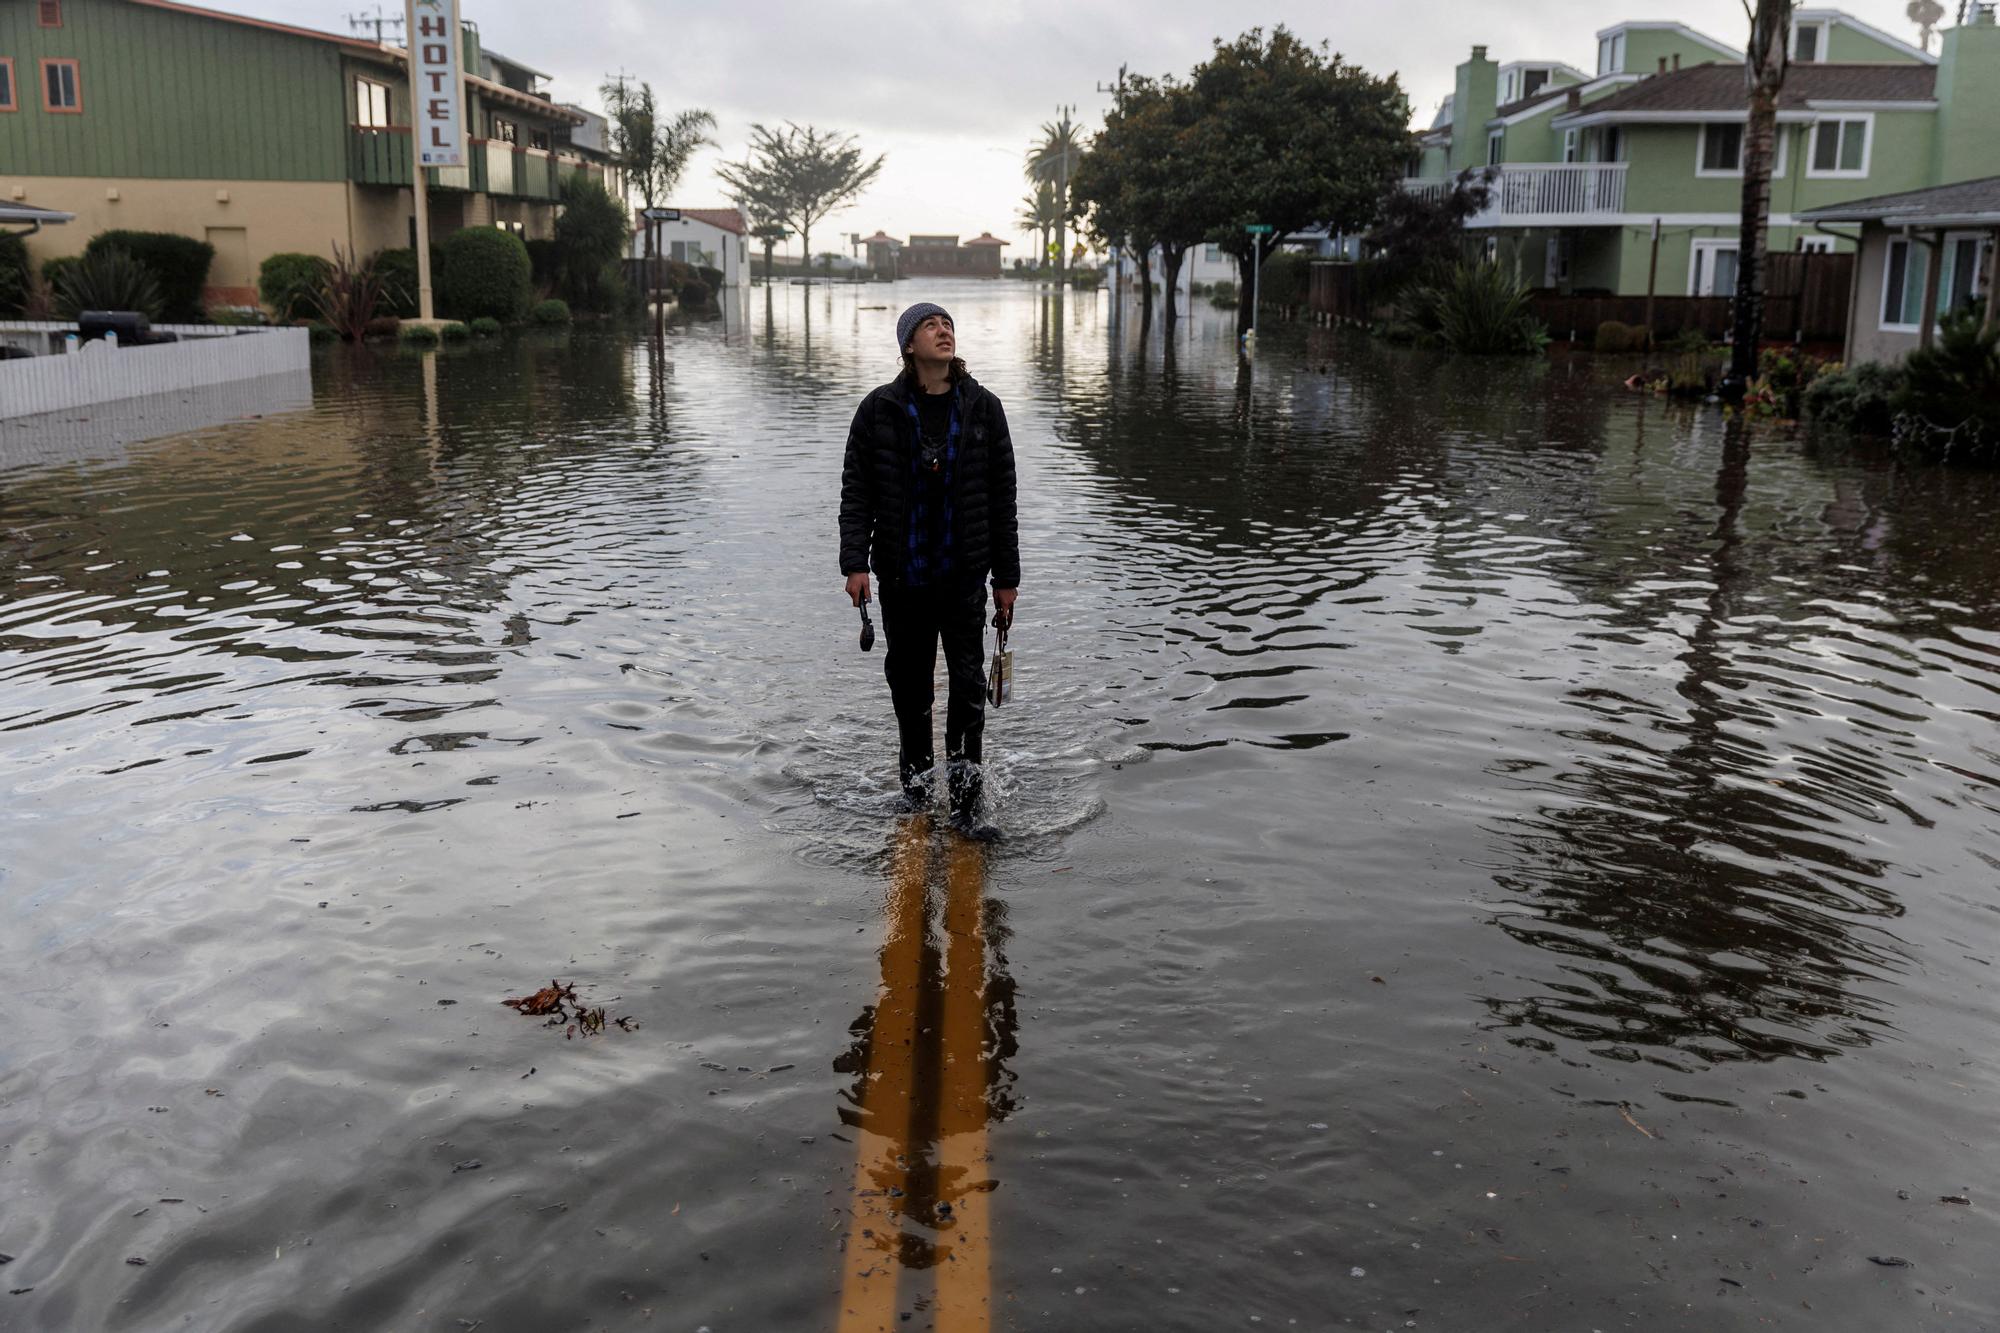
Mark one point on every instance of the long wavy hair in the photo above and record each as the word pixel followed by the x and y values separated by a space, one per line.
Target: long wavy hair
pixel 953 376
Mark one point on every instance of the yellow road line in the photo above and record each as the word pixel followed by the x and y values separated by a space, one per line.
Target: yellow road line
pixel 882 1159
pixel 964 1276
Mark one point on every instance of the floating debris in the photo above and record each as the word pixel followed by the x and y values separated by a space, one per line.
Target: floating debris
pixel 557 1002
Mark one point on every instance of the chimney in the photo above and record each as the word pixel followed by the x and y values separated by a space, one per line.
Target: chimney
pixel 1573 100
pixel 1663 65
pixel 1479 53
pixel 1677 60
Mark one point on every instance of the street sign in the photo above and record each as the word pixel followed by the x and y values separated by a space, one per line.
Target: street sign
pixel 660 214
pixel 1259 228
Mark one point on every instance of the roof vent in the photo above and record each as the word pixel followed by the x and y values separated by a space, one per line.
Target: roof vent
pixel 1479 53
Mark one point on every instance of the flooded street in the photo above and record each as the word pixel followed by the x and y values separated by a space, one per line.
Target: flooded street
pixel 1484 851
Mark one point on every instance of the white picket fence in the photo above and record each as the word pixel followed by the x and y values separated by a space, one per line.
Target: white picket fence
pixel 206 355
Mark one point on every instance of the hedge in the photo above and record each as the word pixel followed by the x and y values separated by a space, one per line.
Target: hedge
pixel 486 271
pixel 179 264
pixel 288 283
pixel 13 274
pixel 549 313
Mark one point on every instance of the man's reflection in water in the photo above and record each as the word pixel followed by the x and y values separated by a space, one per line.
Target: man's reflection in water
pixel 930 1066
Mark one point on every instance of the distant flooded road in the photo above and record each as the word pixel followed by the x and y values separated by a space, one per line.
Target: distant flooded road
pixel 1484 851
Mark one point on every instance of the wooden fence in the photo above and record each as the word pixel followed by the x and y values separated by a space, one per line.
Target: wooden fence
pixel 1805 300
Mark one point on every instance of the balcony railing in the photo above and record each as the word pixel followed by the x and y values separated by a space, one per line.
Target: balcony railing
pixel 1523 193
pixel 381 156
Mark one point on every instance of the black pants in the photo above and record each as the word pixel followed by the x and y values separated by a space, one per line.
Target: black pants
pixel 915 621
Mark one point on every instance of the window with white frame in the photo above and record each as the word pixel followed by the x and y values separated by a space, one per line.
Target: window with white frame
pixel 1712 268
pixel 1961 280
pixel 1721 150
pixel 1569 145
pixel 1815 245
pixel 1211 254
pixel 1533 81
pixel 1809 43
pixel 1840 147
pixel 1493 147
pixel 1903 271
pixel 1611 54
pixel 371 104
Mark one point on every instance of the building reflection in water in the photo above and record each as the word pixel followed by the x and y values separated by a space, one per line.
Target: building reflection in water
pixel 929 1061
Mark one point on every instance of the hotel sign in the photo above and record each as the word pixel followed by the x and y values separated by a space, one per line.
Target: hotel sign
pixel 437 90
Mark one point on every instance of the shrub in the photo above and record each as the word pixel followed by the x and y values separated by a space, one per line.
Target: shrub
pixel 179 265
pixel 695 295
pixel 383 326
pixel 14 274
pixel 419 335
pixel 1224 290
pixel 544 265
pixel 1859 399
pixel 710 276
pixel 590 236
pixel 1950 398
pixel 486 271
pixel 107 279
pixel 549 313
pixel 485 327
pixel 1286 280
pixel 349 294
pixel 1783 376
pixel 321 332
pixel 398 271
pixel 238 315
pixel 455 332
pixel 1088 279
pixel 1613 337
pixel 286 283
pixel 1475 306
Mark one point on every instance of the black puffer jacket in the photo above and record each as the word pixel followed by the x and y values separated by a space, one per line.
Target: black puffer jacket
pixel 875 488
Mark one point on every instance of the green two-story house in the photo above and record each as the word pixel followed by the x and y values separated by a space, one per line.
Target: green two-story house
pixel 260 137
pixel 1587 171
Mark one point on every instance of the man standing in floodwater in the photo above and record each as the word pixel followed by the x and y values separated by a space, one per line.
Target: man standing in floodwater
pixel 927 491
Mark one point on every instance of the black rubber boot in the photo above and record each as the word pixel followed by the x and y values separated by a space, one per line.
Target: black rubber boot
pixel 967 785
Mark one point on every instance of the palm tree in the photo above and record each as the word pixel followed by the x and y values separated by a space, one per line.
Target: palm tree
pixel 1040 214
pixel 1053 159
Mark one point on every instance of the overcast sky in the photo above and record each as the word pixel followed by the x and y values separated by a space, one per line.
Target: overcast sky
pixel 953 93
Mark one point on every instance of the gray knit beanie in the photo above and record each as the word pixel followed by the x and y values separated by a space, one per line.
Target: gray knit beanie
pixel 906 323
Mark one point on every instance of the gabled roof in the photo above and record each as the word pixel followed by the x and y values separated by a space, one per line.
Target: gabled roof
pixel 985 238
pixel 1700 38
pixel 172 6
pixel 725 219
pixel 880 238
pixel 1719 88
pixel 1975 201
pixel 1848 20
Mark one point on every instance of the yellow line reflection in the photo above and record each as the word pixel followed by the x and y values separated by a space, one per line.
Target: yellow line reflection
pixel 922 1182
pixel 882 1161
pixel 964 1278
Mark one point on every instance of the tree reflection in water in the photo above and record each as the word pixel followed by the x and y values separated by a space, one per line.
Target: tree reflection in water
pixel 1700 919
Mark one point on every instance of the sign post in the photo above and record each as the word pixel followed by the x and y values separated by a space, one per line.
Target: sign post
pixel 654 217
pixel 437 94
pixel 1257 231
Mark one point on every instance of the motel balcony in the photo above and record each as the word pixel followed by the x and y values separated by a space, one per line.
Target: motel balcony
pixel 1543 194
pixel 382 157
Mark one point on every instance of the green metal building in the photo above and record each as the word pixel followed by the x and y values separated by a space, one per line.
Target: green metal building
pixel 261 137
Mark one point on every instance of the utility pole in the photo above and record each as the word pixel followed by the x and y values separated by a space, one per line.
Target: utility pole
pixel 1117 91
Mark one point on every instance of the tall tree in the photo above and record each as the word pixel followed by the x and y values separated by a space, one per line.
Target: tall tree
pixel 1053 160
pixel 1039 216
pixel 1764 68
pixel 797 175
pixel 655 152
pixel 1293 137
